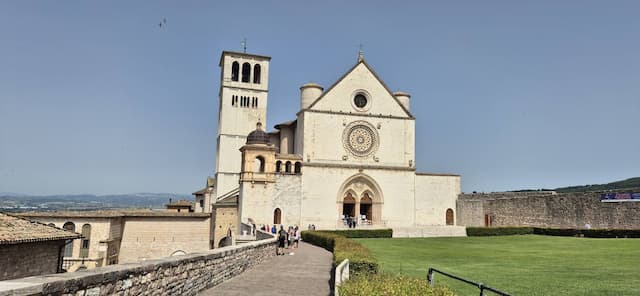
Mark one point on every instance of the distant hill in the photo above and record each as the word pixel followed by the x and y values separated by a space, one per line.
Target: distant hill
pixel 618 185
pixel 15 202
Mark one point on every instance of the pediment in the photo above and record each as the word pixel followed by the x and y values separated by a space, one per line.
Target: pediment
pixel 360 79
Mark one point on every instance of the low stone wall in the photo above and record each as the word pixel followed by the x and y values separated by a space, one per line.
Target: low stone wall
pixel 546 209
pixel 27 259
pixel 181 275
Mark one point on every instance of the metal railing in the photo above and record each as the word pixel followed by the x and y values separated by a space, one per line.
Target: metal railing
pixel 480 286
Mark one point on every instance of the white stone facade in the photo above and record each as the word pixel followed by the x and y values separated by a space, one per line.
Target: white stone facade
pixel 350 152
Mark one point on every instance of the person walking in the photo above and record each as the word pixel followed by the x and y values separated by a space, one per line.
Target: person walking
pixel 282 236
pixel 290 235
pixel 296 237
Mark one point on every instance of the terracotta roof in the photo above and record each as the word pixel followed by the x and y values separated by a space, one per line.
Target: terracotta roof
pixel 286 123
pixel 180 203
pixel 200 192
pixel 113 214
pixel 15 230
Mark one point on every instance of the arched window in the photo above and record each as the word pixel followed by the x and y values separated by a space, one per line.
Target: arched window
pixel 256 74
pixel 258 165
pixel 277 216
pixel 246 72
pixel 68 247
pixel 278 165
pixel 449 217
pixel 287 167
pixel 297 168
pixel 235 69
pixel 86 237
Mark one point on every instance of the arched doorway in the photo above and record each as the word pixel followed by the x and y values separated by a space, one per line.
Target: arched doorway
pixel 277 216
pixel 361 197
pixel 449 217
pixel 349 206
pixel 366 208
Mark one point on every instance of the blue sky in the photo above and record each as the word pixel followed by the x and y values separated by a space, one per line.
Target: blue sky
pixel 95 97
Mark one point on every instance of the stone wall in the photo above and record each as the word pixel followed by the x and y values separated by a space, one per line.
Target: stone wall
pixel 546 209
pixel 181 275
pixel 157 237
pixel 225 218
pixel 27 259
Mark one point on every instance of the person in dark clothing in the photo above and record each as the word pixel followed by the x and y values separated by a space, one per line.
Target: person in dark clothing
pixel 282 236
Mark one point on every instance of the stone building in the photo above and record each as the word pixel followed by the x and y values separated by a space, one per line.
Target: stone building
pixel 111 237
pixel 30 248
pixel 349 154
pixel 182 205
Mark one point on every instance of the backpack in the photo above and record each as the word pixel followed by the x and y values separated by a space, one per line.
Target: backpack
pixel 283 234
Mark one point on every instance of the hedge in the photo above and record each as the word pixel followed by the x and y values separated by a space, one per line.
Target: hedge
pixel 391 285
pixel 595 233
pixel 360 259
pixel 493 231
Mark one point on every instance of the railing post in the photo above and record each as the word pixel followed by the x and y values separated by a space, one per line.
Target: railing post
pixel 481 286
pixel 430 277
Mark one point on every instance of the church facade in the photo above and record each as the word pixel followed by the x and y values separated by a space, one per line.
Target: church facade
pixel 347 155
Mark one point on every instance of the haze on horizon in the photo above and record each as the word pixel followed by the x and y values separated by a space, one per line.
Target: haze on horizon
pixel 98 98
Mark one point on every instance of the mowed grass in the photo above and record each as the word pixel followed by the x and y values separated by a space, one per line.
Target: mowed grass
pixel 519 264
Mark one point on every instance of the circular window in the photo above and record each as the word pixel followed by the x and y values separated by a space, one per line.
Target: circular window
pixel 360 139
pixel 360 100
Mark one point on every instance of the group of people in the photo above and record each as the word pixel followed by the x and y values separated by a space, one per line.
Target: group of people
pixel 350 221
pixel 290 237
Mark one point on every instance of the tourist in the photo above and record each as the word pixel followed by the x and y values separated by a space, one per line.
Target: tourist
pixel 282 236
pixel 296 237
pixel 313 227
pixel 273 229
pixel 290 237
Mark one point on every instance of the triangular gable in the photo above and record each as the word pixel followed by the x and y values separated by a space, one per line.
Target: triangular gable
pixel 361 76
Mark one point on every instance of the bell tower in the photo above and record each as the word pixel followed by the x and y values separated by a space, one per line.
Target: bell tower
pixel 244 86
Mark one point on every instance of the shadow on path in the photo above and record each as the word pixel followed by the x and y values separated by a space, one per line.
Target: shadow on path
pixel 306 272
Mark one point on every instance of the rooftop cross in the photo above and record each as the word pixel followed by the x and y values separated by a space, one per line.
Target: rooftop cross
pixel 360 53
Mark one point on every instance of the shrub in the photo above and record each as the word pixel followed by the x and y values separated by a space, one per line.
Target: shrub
pixel 388 285
pixel 360 259
pixel 493 231
pixel 595 233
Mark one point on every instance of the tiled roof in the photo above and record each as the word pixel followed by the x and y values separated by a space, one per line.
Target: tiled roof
pixel 15 230
pixel 113 214
pixel 180 203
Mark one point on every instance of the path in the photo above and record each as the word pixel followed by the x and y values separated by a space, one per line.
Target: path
pixel 307 272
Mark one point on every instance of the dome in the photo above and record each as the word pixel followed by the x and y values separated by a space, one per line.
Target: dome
pixel 258 136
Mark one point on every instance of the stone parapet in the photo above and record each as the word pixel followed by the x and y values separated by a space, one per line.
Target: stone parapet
pixel 547 209
pixel 181 275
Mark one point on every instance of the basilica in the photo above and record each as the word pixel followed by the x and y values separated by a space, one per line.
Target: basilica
pixel 348 154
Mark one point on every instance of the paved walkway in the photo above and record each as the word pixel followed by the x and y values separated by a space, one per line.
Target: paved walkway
pixel 306 272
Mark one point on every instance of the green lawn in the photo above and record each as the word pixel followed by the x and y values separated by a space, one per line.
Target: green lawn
pixel 520 264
